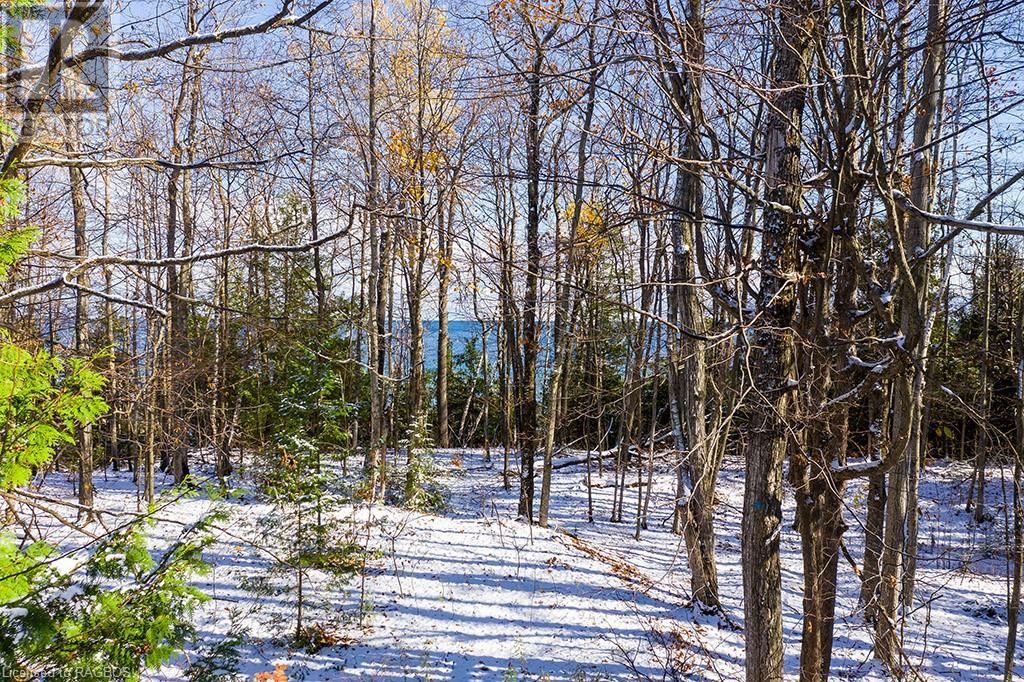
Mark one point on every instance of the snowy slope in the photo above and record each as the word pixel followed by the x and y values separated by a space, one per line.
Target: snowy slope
pixel 473 594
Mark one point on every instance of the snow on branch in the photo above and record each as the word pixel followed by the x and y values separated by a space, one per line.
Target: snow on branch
pixel 904 203
pixel 56 61
pixel 280 19
pixel 142 161
pixel 66 278
pixel 79 15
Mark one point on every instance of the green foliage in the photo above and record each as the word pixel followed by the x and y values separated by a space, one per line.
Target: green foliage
pixel 310 405
pixel 959 355
pixel 466 383
pixel 20 569
pixel 103 615
pixel 8 41
pixel 300 486
pixel 308 408
pixel 422 490
pixel 304 380
pixel 45 399
pixel 312 538
pixel 220 661
pixel 120 609
pixel 296 475
pixel 13 243
pixel 296 383
pixel 300 395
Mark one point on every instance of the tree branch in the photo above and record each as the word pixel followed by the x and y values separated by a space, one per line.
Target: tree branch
pixel 280 19
pixel 99 261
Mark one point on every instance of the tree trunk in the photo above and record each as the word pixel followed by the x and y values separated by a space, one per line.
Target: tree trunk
pixel 510 358
pixel 772 355
pixel 699 473
pixel 175 350
pixel 113 434
pixel 1013 605
pixel 443 275
pixel 373 460
pixel 85 446
pixel 915 327
pixel 527 400
pixel 875 520
pixel 562 304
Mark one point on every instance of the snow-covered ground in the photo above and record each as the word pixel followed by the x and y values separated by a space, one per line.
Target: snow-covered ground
pixel 473 594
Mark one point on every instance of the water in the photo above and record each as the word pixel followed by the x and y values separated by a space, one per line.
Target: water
pixel 460 333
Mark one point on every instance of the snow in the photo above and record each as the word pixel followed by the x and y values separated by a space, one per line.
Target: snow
pixel 854 361
pixel 859 466
pixel 473 594
pixel 65 565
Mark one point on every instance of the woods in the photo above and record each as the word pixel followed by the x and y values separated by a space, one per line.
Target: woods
pixel 606 256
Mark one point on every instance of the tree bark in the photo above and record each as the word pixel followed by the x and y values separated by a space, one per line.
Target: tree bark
pixel 1017 558
pixel 377 282
pixel 443 276
pixel 874 522
pixel 85 445
pixel 696 498
pixel 915 327
pixel 527 400
pixel 771 356
pixel 562 305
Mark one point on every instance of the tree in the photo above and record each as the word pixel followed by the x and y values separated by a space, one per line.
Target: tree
pixel 771 355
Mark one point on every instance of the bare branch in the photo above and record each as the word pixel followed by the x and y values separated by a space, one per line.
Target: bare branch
pixel 99 261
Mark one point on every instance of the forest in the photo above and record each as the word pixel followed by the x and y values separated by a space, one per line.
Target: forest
pixel 554 340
